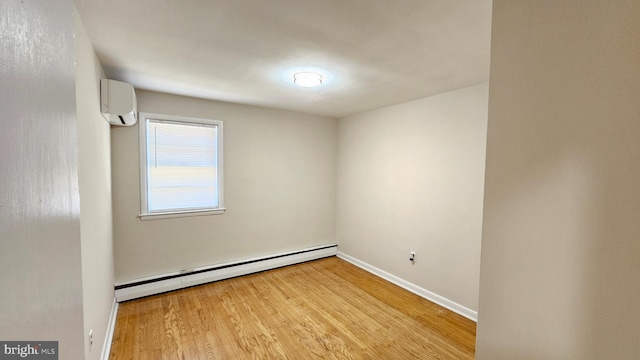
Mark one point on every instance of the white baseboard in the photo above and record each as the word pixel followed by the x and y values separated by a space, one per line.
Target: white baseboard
pixel 108 338
pixel 433 297
pixel 168 282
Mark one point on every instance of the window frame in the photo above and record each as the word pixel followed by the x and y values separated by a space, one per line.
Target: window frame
pixel 142 150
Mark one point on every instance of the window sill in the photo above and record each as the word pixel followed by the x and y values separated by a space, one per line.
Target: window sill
pixel 179 214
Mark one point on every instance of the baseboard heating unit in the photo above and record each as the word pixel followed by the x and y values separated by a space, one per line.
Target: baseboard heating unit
pixel 179 280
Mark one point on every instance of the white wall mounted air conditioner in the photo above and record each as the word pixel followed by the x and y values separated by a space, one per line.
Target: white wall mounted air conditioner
pixel 118 102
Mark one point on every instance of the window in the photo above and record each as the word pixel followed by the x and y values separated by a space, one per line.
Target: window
pixel 180 166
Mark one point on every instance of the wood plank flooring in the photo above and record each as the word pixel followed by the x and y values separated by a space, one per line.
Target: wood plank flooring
pixel 324 309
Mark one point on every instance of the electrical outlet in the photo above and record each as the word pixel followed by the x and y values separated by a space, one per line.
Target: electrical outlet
pixel 90 339
pixel 412 256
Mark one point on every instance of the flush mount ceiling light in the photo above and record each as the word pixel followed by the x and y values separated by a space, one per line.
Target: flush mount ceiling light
pixel 307 79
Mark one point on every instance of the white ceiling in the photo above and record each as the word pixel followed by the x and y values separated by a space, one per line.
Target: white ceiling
pixel 373 53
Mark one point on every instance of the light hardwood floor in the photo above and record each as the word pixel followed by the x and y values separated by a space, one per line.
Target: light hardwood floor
pixel 324 309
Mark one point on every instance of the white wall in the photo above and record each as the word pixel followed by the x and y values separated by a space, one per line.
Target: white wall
pixel 41 280
pixel 279 190
pixel 94 173
pixel 410 178
pixel 561 250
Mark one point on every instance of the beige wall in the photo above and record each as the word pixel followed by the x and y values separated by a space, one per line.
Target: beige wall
pixel 94 173
pixel 410 178
pixel 279 190
pixel 561 251
pixel 40 263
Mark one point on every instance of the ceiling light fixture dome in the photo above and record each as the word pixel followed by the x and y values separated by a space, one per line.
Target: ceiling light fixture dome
pixel 307 79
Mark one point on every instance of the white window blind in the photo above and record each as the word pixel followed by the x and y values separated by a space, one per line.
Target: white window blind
pixel 182 166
